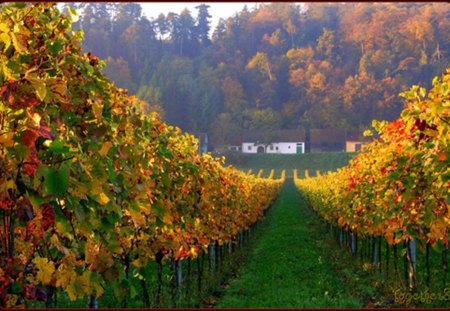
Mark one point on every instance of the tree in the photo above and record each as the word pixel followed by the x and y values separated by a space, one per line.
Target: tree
pixel 202 27
pixel 152 97
pixel 326 45
pixel 306 63
pixel 174 78
pixel 119 72
pixel 261 63
pixel 161 25
pixel 263 119
pixel 226 129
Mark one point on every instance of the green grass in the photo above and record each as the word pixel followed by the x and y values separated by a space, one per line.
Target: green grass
pixel 295 262
pixel 324 162
pixel 290 264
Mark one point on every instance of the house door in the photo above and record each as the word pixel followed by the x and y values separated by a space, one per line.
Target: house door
pixel 260 149
pixel 300 148
pixel 358 147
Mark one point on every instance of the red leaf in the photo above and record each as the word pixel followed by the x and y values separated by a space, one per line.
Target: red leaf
pixel 44 131
pixel 48 215
pixel 32 163
pixel 6 203
pixel 29 138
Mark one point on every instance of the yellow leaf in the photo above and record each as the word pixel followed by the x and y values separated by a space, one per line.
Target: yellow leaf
pixel 46 270
pixel 36 119
pixel 137 217
pixel 167 219
pixel 17 44
pixel 6 186
pixel 97 109
pixel 437 230
pixel 91 251
pixel 103 199
pixel 39 86
pixel 95 188
pixel 194 252
pixel 6 39
pixel 7 139
pixel 138 262
pixel 64 276
pixel 105 148
pixel 11 301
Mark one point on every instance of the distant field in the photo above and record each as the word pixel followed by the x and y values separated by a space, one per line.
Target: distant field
pixel 327 161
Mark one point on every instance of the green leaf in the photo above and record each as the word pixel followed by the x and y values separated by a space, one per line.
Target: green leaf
pixel 35 200
pixel 57 181
pixel 158 209
pixel 20 5
pixel 111 175
pixel 113 244
pixel 55 47
pixel 16 288
pixel 14 66
pixel 21 151
pixel 58 147
pixel 133 292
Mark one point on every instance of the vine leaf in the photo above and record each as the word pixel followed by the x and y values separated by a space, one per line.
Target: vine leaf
pixel 56 181
pixel 7 139
pixel 39 86
pixel 46 270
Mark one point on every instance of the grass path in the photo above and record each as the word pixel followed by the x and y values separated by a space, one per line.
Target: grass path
pixel 288 265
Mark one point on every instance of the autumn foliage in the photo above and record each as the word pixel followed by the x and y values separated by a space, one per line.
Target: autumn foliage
pixel 398 186
pixel 91 187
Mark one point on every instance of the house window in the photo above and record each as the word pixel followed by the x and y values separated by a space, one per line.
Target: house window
pixel 249 147
pixel 276 148
pixel 289 147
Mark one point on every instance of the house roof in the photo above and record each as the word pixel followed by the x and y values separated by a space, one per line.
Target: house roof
pixel 356 136
pixel 319 136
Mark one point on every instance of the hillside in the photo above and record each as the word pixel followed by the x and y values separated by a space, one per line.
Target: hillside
pixel 272 66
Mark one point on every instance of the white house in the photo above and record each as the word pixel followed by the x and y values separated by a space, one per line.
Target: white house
pixel 275 147
pixel 273 141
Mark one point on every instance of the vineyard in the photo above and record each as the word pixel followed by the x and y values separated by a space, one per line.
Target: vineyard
pixel 93 190
pixel 396 190
pixel 103 204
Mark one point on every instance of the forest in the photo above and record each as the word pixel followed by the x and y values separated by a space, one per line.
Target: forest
pixel 272 66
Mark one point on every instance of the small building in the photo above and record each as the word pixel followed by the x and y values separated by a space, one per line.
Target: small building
pixel 327 140
pixel 354 146
pixel 273 142
pixel 292 141
pixel 233 148
pixel 274 147
pixel 355 141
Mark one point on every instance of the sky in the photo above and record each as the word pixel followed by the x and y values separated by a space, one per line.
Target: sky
pixel 217 10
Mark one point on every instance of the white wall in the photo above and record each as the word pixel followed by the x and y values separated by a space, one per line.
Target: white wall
pixel 282 147
pixel 250 147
